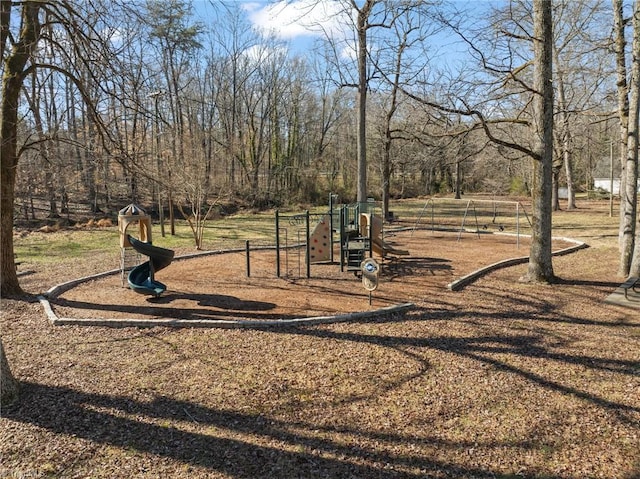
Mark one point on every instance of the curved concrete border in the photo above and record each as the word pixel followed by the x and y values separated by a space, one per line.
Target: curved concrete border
pixel 219 323
pixel 57 290
pixel 460 283
pixel 457 285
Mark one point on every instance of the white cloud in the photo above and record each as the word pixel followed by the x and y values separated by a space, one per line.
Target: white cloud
pixel 262 53
pixel 288 19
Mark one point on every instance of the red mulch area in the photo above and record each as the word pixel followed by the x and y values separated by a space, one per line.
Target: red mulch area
pixel 216 287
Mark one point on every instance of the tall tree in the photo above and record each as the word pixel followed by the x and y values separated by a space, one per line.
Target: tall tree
pixel 230 68
pixel 540 265
pixel 579 76
pixel 398 68
pixel 8 140
pixel 363 25
pixel 367 15
pixel 625 231
pixel 177 40
pixel 514 86
pixel 631 187
pixel 16 67
pixel 77 36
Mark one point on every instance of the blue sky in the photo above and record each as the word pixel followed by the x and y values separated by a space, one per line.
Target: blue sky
pixel 293 21
pixel 286 19
pixel 290 19
pixel 300 22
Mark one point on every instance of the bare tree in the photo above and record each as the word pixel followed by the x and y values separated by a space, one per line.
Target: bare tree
pixel 15 69
pixel 513 81
pixel 628 122
pixel 631 186
pixel 626 220
pixel 362 27
pixel 579 75
pixel 540 264
pixel 409 30
pixel 77 38
pixel 176 40
pixel 328 112
pixel 367 16
pixel 233 68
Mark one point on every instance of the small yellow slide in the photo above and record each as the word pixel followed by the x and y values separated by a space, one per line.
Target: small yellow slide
pixel 377 243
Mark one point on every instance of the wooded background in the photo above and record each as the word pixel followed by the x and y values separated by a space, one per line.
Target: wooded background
pixel 188 110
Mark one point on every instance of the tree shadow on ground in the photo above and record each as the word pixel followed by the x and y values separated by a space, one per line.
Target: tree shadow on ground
pixel 214 439
pixel 399 267
pixel 289 449
pixel 492 349
pixel 212 307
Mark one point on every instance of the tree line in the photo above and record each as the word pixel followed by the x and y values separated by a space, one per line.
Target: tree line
pixel 110 102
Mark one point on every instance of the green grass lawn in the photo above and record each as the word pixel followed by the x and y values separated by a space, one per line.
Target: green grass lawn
pixel 259 228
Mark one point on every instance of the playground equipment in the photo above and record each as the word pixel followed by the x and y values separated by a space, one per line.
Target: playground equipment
pixel 131 215
pixel 473 215
pixel 361 236
pixel 371 226
pixel 301 223
pixel 141 277
pixel 359 229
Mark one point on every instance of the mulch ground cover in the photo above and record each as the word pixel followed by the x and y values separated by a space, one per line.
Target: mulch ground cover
pixel 502 379
pixel 216 287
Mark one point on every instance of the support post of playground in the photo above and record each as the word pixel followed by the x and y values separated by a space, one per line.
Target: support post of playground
pixel 277 244
pixel 246 247
pixel 331 220
pixel 308 243
pixel 342 233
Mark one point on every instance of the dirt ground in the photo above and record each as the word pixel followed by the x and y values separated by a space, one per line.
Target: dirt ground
pixel 216 287
pixel 500 380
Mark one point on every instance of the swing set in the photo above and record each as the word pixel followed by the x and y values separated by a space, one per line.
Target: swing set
pixel 488 216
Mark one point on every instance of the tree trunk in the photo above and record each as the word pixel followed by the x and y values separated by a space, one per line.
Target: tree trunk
pixel 9 387
pixel 5 21
pixel 633 143
pixel 568 170
pixel 623 118
pixel 540 265
pixel 629 191
pixel 386 174
pixel 458 181
pixel 11 85
pixel 9 285
pixel 565 136
pixel 362 26
pixel 555 189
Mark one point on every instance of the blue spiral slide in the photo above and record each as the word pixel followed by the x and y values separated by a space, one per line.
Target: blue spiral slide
pixel 141 278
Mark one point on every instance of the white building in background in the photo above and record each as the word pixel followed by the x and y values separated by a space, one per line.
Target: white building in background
pixel 604 184
pixel 602 176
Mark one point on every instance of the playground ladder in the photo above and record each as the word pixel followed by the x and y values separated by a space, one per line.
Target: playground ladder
pixel 129 258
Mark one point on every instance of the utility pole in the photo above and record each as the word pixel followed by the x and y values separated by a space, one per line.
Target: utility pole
pixel 156 136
